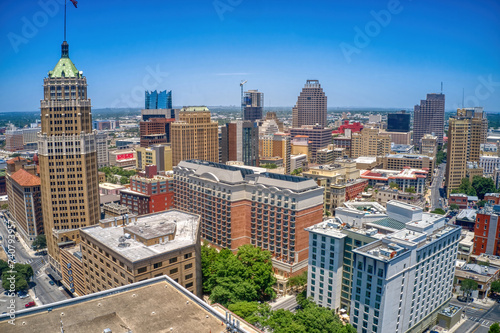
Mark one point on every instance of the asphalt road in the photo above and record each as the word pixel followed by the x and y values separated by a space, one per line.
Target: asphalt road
pixel 436 185
pixel 479 318
pixel 286 303
pixel 44 292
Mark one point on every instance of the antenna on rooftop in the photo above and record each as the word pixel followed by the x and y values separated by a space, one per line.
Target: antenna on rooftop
pixel 441 87
pixel 463 97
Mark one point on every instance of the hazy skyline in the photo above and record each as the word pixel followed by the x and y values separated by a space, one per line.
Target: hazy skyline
pixel 365 54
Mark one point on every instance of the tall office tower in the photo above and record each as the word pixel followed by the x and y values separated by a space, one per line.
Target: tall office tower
pixel 158 100
pixel 194 136
pixel 370 142
pixel 398 122
pixel 67 157
pixel 319 137
pixel 466 131
pixel 311 106
pixel 393 279
pixel 240 142
pixel 428 118
pixel 242 206
pixel 253 105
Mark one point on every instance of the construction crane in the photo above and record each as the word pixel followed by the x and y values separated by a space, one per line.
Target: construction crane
pixel 242 101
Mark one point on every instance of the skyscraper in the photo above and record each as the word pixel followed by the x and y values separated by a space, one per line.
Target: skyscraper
pixel 67 157
pixel 428 118
pixel 254 104
pixel 240 142
pixel 311 106
pixel 194 136
pixel 467 130
pixel 158 100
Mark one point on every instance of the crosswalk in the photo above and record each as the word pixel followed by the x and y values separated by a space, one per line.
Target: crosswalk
pixel 482 322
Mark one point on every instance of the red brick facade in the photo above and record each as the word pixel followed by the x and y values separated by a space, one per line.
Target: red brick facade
pixel 481 233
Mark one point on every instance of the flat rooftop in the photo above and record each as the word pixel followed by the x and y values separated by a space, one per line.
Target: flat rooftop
pixel 155 305
pixel 331 228
pixel 152 226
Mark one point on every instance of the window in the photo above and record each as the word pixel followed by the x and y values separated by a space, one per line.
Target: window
pixel 188 255
pixel 173 271
pixel 158 265
pixel 189 276
pixel 172 260
pixel 189 285
pixel 188 266
pixel 142 270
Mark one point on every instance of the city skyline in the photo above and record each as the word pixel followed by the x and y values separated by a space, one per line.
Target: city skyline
pixel 403 52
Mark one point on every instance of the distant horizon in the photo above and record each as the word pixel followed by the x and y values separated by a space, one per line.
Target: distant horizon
pixel 363 53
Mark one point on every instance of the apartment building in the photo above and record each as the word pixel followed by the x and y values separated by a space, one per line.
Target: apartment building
pixel 240 142
pixel 394 274
pixel 243 205
pixel 118 252
pixel 370 142
pixel 428 145
pixel 148 192
pixel 487 231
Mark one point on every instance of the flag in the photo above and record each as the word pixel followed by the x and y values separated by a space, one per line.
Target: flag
pixel 74 2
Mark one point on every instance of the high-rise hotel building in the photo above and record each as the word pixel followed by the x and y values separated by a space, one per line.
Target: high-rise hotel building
pixel 251 206
pixel 195 136
pixel 67 157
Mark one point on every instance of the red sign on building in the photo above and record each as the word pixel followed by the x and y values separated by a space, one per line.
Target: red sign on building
pixel 124 156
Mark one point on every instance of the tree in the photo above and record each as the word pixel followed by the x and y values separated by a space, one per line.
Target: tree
pixel 269 166
pixel 454 206
pixel 439 211
pixel 40 242
pixel 467 286
pixel 410 189
pixel 393 185
pixel 4 206
pixel 482 186
pixel 481 203
pixel 495 286
pixel 124 180
pixel 20 282
pixel 298 280
pixel 495 328
pixel 297 172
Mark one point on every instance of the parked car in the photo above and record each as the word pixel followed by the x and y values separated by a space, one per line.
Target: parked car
pixel 29 305
pixel 51 283
pixel 24 296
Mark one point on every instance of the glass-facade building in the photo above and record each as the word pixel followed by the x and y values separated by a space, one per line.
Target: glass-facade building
pixel 158 100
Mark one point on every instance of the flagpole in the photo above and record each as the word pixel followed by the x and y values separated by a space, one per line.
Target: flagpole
pixel 65 1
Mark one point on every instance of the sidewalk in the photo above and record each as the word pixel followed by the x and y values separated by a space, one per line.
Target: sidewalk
pixel 21 241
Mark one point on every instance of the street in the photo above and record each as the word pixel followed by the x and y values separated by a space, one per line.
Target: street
pixel 40 287
pixel 285 303
pixel 437 181
pixel 479 317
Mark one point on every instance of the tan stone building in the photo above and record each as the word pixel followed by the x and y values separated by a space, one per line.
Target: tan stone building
pixel 428 145
pixel 194 136
pixel 129 249
pixel 67 157
pixel 370 142
pixel 159 155
pixel 467 130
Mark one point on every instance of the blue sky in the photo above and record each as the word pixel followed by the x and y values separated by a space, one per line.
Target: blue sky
pixel 201 50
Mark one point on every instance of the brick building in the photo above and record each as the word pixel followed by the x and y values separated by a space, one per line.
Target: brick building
pixel 242 206
pixel 487 231
pixel 148 192
pixel 155 131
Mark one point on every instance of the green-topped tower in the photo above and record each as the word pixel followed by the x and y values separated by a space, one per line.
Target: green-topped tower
pixel 67 157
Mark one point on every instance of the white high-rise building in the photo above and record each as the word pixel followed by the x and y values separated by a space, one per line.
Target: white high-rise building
pixel 391 275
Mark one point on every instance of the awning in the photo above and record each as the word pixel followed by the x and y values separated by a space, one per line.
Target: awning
pixel 53 273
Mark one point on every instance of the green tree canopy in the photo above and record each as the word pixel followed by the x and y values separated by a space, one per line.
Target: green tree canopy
pixel 410 189
pixel 247 276
pixel 393 185
pixel 40 242
pixel 495 328
pixel 297 172
pixel 495 286
pixel 269 166
pixel 454 206
pixel 467 286
pixel 482 186
pixel 438 211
